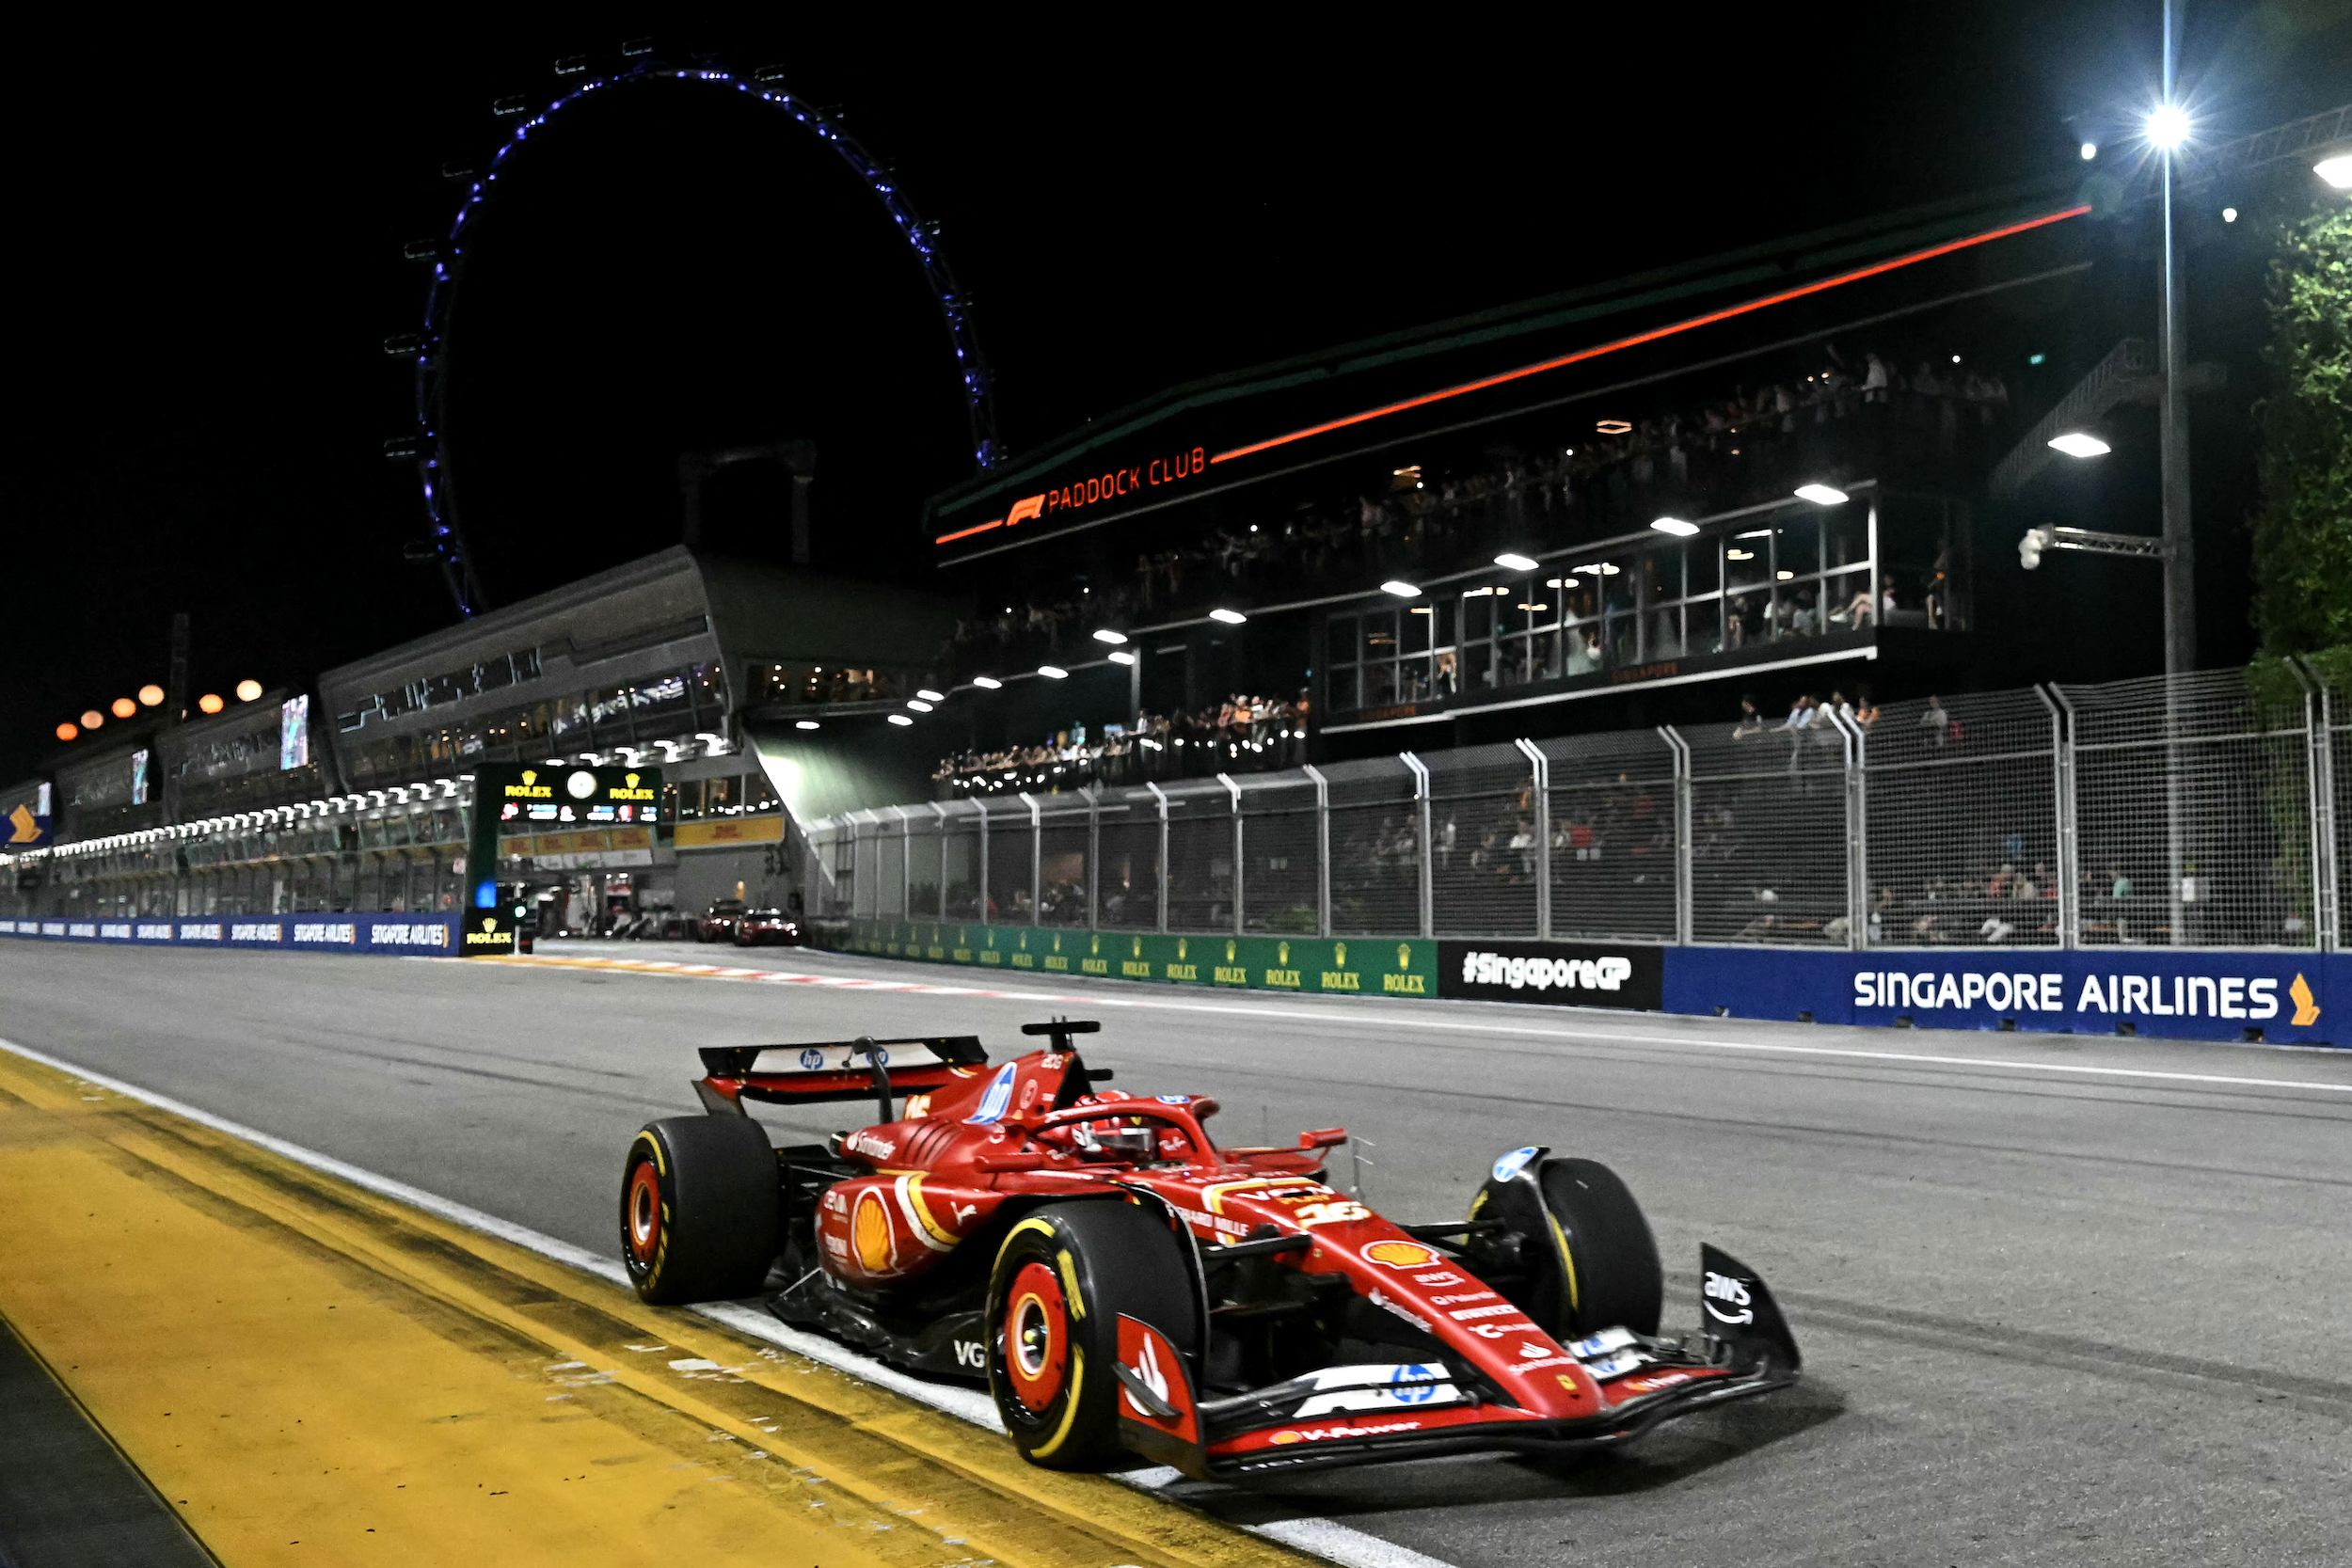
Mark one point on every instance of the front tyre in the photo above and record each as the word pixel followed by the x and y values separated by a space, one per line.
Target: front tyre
pixel 1061 1282
pixel 1581 1256
pixel 699 1209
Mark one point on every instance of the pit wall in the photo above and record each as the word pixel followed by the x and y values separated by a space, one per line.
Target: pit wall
pixel 426 935
pixel 2275 997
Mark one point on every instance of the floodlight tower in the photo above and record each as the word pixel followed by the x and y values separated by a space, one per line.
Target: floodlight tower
pixel 2167 129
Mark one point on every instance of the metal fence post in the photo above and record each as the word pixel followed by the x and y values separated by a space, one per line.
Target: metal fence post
pixel 1323 850
pixel 906 863
pixel 2326 905
pixel 1857 832
pixel 1683 832
pixel 1233 791
pixel 1421 828
pixel 1160 924
pixel 1094 852
pixel 938 895
pixel 1037 863
pixel 2315 791
pixel 1542 766
pixel 2069 852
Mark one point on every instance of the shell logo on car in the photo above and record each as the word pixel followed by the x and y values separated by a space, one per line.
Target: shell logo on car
pixel 870 1234
pixel 1400 1255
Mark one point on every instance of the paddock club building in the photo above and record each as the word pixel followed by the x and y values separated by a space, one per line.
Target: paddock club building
pixel 1527 522
pixel 764 696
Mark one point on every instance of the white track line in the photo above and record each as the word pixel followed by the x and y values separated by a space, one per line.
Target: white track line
pixel 1324 1538
pixel 1452 1024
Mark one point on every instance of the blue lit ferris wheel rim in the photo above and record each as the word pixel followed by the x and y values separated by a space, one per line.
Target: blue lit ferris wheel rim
pixel 979 397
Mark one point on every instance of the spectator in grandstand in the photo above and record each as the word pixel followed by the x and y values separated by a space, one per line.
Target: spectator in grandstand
pixel 1936 722
pixel 1751 722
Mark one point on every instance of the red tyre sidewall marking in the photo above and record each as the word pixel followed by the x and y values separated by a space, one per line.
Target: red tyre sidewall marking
pixel 643 1222
pixel 1036 1298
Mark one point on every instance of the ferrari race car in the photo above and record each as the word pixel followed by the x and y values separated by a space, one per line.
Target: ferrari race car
pixel 1128 1288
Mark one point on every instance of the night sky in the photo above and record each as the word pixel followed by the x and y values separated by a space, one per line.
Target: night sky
pixel 209 226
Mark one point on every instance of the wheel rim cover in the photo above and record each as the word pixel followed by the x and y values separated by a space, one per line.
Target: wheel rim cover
pixel 1037 1336
pixel 644 1221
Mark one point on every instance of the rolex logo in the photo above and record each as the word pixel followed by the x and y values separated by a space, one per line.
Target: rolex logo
pixel 1404 955
pixel 1229 952
pixel 1339 954
pixel 1179 948
pixel 1283 954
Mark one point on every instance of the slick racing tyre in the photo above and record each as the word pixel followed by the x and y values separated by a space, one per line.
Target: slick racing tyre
pixel 1575 1254
pixel 1060 1281
pixel 699 1209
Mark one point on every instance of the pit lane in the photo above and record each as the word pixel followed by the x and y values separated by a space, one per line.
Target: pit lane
pixel 2064 1299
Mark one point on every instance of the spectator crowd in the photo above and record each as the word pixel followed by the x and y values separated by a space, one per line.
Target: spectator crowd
pixel 1241 734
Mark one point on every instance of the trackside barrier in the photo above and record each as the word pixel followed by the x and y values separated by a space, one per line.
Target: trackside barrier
pixel 429 935
pixel 2270 996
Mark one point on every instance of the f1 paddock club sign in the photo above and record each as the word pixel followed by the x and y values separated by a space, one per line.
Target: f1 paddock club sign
pixel 1559 973
pixel 1059 504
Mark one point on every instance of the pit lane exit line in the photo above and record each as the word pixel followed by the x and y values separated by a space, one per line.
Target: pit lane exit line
pixel 1337 1543
pixel 1404 1020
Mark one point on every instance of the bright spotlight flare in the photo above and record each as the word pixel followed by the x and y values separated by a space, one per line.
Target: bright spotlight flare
pixel 2076 443
pixel 1229 617
pixel 1104 634
pixel 1821 495
pixel 987 683
pixel 1676 526
pixel 2167 126
pixel 1402 589
pixel 1513 561
pixel 2336 170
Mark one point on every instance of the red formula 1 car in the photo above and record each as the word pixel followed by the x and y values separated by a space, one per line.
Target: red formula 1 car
pixel 1127 1286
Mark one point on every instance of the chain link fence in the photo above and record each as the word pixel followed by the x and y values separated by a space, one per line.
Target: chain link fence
pixel 2196 812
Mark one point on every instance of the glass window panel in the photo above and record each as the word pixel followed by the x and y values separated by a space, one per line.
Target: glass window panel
pixel 1848 596
pixel 1797 610
pixel 1797 547
pixel 1845 534
pixel 758 794
pixel 1665 633
pixel 1477 666
pixel 1702 566
pixel 1414 629
pixel 1342 687
pixel 1617 585
pixel 1412 679
pixel 1379 629
pixel 1446 624
pixel 1748 559
pixel 1341 640
pixel 689 801
pixel 722 797
pixel 1702 625
pixel 1379 684
pixel 1478 617
pixel 1661 575
pixel 1579 651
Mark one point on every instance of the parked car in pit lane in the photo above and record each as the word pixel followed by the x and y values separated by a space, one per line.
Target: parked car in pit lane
pixel 1126 1286
pixel 718 922
pixel 755 927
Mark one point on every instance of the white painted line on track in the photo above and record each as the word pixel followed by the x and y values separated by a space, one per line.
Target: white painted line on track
pixel 1326 1538
pixel 1403 1020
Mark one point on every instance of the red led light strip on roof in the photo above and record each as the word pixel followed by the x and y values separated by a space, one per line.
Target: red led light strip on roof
pixel 1650 337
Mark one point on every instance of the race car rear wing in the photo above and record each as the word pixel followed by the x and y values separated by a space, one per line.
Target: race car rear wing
pixel 821 1071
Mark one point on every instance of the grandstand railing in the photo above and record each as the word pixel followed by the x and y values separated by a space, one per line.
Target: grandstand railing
pixel 2200 811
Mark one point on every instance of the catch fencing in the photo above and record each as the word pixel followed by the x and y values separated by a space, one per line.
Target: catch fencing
pixel 2187 811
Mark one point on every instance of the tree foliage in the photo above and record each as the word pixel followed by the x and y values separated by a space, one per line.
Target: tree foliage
pixel 2303 533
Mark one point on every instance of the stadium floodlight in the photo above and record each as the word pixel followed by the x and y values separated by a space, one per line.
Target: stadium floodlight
pixel 930 696
pixel 122 708
pixel 152 695
pixel 1122 657
pixel 1230 617
pixel 1053 672
pixel 1402 589
pixel 805 725
pixel 247 690
pixel 901 720
pixel 1674 526
pixel 2090 151
pixel 2029 548
pixel 918 705
pixel 1104 634
pixel 1515 562
pixel 2076 443
pixel 2336 170
pixel 2228 215
pixel 1821 495
pixel 2167 126
pixel 985 683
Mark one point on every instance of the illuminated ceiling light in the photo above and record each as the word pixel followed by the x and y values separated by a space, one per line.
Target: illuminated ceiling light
pixel 805 724
pixel 91 719
pixel 1739 555
pixel 1104 634
pixel 2036 359
pixel 901 719
pixel 247 690
pixel 1674 526
pixel 1230 617
pixel 2167 126
pixel 1515 561
pixel 1754 533
pixel 66 731
pixel 1053 672
pixel 1612 427
pixel 1412 471
pixel 2337 170
pixel 211 701
pixel 985 683
pixel 918 705
pixel 1480 593
pixel 930 696
pixel 2228 215
pixel 1402 589
pixel 1560 583
pixel 1821 495
pixel 2075 443
pixel 1122 658
pixel 1424 610
pixel 1784 576
pixel 1599 568
pixel 2090 151
pixel 1538 608
pixel 152 695
pixel 122 708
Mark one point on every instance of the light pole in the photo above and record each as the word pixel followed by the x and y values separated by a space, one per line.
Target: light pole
pixel 2167 128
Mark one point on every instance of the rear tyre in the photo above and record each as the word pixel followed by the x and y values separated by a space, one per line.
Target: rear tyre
pixel 699 1209
pixel 1062 1279
pixel 1582 1256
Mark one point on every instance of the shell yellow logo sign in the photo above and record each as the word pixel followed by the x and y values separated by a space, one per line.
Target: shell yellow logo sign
pixel 870 1234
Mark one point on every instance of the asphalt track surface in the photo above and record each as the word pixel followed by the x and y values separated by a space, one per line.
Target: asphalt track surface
pixel 2063 1299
